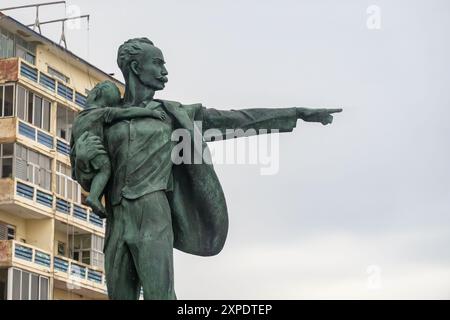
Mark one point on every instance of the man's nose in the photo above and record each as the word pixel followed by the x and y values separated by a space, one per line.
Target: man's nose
pixel 164 71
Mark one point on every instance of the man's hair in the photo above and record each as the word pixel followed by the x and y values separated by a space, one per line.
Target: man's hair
pixel 97 92
pixel 129 51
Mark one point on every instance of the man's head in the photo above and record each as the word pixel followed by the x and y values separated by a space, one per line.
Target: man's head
pixel 104 94
pixel 140 58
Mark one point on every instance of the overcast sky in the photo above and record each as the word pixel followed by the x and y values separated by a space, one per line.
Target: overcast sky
pixel 358 209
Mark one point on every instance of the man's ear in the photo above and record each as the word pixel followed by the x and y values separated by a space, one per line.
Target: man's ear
pixel 134 66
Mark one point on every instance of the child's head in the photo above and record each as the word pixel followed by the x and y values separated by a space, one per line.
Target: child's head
pixel 104 94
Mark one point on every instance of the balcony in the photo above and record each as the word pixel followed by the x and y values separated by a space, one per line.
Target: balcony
pixel 28 201
pixel 15 69
pixel 18 254
pixel 78 277
pixel 78 215
pixel 68 274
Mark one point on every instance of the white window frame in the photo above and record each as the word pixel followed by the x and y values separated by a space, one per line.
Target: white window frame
pixel 25 116
pixel 2 105
pixel 68 128
pixel 66 180
pixel 10 283
pixel 35 180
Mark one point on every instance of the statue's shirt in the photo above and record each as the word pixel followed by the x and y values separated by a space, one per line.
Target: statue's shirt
pixel 140 152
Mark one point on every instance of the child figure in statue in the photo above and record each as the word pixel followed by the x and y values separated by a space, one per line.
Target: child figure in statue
pixel 103 109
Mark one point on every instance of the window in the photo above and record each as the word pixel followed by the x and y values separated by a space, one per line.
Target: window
pixel 65 186
pixel 6 44
pixel 6 101
pixel 64 121
pixel 25 50
pixel 88 249
pixel 3 284
pixel 33 108
pixel 33 166
pixel 6 160
pixel 27 285
pixel 12 45
pixel 58 75
pixel 61 248
pixel 7 232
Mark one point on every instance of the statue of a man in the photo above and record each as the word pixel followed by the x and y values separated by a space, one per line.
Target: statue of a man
pixel 152 204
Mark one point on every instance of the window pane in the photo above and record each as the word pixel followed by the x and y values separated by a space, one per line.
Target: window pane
pixel 33 157
pixel 25 286
pixel 69 190
pixel 21 169
pixel 46 116
pixel 1 100
pixel 37 111
pixel 16 284
pixel 61 121
pixel 8 149
pixel 44 162
pixel 21 103
pixel 34 287
pixel 30 107
pixel 7 168
pixel 44 289
pixel 3 284
pixel 8 107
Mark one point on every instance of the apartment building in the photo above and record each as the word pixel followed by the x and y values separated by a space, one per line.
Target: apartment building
pixel 50 242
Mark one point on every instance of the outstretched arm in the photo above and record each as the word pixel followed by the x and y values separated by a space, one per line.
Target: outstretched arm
pixel 218 124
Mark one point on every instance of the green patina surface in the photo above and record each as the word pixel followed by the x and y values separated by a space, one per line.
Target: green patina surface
pixel 122 148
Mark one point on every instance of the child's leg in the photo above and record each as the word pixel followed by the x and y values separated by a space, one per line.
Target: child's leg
pixel 97 187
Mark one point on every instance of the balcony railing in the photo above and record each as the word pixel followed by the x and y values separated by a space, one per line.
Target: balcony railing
pixel 45 198
pixel 33 193
pixel 62 147
pixel 77 270
pixel 14 252
pixel 52 84
pixel 35 134
pixel 79 212
pixel 18 252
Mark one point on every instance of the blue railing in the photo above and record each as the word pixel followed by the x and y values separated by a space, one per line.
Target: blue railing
pixel 44 199
pixel 80 100
pixel 28 72
pixel 79 212
pixel 77 270
pixel 27 130
pixel 60 264
pixel 23 252
pixel 62 147
pixel 62 206
pixel 95 219
pixel 95 276
pixel 42 258
pixel 65 91
pixel 47 82
pixel 25 191
pixel 45 139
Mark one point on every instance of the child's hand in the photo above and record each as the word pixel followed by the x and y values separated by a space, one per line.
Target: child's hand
pixel 161 115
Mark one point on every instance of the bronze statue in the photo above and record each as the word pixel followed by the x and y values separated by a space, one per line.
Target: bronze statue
pixel 152 204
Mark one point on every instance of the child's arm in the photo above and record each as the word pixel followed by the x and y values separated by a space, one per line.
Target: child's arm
pixel 117 114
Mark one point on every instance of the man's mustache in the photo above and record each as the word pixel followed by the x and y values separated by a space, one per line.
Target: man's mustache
pixel 163 79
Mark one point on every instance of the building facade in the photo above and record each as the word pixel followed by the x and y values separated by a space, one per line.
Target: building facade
pixel 50 243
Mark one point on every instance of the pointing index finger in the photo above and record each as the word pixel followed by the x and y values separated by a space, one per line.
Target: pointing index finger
pixel 335 110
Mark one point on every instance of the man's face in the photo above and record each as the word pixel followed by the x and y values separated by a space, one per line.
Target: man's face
pixel 151 70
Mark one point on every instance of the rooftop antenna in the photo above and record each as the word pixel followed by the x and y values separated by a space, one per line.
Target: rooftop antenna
pixel 63 31
pixel 37 23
